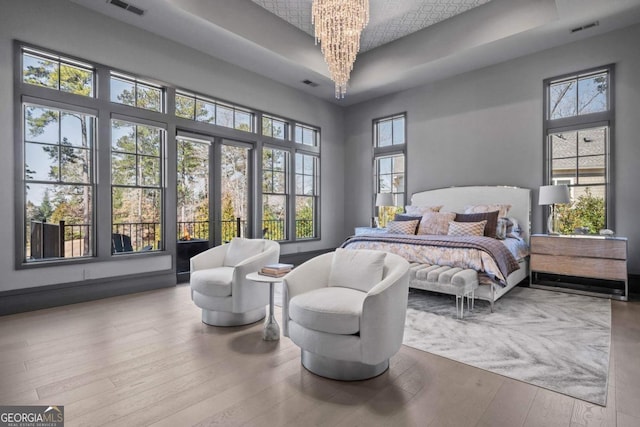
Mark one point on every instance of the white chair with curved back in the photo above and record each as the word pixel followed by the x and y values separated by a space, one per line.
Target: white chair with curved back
pixel 219 285
pixel 346 311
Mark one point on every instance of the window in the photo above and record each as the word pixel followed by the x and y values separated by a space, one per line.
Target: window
pixel 131 91
pixel 275 128
pixel 59 183
pixel 306 195
pixel 136 186
pixel 275 194
pixel 389 163
pixel 578 118
pixel 306 135
pixel 204 110
pixel 193 188
pixel 55 72
pixel 235 185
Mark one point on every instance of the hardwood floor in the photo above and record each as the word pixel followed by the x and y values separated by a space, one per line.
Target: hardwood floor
pixel 146 359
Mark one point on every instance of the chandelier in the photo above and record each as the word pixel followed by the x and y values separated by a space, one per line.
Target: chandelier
pixel 338 24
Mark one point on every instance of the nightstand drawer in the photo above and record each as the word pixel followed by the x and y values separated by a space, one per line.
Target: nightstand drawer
pixel 600 268
pixel 582 247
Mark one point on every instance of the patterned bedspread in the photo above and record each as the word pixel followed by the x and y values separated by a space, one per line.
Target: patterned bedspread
pixel 480 253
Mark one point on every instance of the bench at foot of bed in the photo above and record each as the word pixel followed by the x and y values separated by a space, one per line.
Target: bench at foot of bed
pixel 460 282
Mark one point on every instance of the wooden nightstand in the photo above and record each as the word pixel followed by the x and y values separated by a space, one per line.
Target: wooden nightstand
pixel 591 265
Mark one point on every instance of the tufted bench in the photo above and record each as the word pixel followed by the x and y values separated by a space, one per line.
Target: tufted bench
pixel 461 282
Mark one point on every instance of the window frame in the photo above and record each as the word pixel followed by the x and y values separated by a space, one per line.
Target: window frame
pixel 24 181
pixel 101 106
pixel 388 151
pixel 581 122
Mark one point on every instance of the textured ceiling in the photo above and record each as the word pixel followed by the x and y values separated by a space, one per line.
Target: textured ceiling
pixel 389 19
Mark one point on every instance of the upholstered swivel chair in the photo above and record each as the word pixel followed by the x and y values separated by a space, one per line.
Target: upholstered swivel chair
pixel 346 311
pixel 219 285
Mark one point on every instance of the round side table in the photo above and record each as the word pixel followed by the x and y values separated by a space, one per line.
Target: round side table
pixel 271 331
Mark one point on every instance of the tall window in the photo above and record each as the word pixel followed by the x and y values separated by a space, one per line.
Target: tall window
pixel 306 195
pixel 136 186
pixel 578 119
pixel 389 153
pixel 192 179
pixel 275 193
pixel 234 182
pixel 59 182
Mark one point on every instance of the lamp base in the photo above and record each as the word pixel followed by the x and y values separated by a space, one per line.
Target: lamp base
pixel 550 223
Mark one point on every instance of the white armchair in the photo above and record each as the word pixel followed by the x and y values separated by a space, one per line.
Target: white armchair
pixel 219 285
pixel 346 311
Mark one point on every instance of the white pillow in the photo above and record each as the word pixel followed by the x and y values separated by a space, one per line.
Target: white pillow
pixel 241 249
pixel 359 269
pixel 420 210
pixel 502 208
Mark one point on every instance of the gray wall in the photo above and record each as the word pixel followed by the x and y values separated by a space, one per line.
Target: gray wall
pixel 485 127
pixel 68 28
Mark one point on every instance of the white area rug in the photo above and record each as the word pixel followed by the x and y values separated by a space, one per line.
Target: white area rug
pixel 550 339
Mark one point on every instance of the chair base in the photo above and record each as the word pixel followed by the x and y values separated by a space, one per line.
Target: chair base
pixel 341 370
pixel 226 318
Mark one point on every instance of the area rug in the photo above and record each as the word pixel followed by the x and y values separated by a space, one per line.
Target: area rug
pixel 550 339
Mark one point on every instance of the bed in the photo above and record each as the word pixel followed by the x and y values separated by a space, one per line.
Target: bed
pixel 495 280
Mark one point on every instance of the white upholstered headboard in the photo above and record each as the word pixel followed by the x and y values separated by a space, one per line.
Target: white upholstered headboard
pixel 454 199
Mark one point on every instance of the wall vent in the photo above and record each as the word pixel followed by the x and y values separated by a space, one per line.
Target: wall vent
pixel 126 6
pixel 310 83
pixel 586 26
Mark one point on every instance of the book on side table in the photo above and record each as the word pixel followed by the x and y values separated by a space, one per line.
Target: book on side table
pixel 276 270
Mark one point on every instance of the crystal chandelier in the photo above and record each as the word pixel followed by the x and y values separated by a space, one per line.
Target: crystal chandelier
pixel 338 24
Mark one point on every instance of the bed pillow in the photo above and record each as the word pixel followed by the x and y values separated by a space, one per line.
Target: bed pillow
pixel 466 228
pixel 490 217
pixel 402 227
pixel 512 227
pixel 403 217
pixel 421 210
pixel 436 222
pixel 502 208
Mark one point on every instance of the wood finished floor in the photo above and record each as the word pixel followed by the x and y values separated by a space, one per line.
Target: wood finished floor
pixel 146 359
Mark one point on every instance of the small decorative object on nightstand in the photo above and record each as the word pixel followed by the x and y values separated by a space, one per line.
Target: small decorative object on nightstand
pixel 591 265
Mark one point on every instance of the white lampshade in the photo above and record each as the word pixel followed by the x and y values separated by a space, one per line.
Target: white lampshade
pixel 553 194
pixel 384 199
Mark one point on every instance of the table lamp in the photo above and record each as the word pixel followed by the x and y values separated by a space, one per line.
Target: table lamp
pixel 552 195
pixel 382 200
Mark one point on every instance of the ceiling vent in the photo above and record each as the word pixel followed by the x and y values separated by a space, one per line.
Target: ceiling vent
pixel 126 6
pixel 310 83
pixel 586 26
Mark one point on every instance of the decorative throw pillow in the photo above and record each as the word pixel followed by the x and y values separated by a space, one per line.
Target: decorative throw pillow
pixel 513 228
pixel 436 222
pixel 403 217
pixel 491 218
pixel 241 249
pixel 502 208
pixel 359 269
pixel 421 210
pixel 402 227
pixel 466 228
